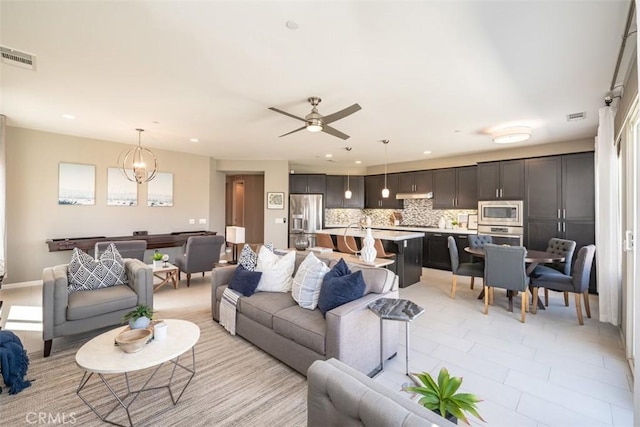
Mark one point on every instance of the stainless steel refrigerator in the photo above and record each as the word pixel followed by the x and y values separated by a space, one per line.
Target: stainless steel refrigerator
pixel 305 217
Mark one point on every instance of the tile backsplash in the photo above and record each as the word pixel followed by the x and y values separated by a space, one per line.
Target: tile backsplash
pixel 415 212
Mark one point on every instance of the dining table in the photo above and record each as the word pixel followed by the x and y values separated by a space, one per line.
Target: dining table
pixel 532 259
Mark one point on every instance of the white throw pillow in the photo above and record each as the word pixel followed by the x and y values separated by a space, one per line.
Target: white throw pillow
pixel 276 271
pixel 308 281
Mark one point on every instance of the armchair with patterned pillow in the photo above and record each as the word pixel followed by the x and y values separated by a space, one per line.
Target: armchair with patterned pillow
pixel 88 294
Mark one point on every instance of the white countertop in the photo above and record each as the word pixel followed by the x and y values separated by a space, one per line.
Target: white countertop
pixel 393 235
pixel 405 228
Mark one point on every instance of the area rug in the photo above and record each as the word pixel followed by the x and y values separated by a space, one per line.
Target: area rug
pixel 236 384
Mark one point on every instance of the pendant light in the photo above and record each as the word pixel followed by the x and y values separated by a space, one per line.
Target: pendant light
pixel 385 190
pixel 348 194
pixel 138 164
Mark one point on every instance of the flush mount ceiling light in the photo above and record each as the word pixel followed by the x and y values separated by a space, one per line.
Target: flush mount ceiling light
pixel 138 164
pixel 511 135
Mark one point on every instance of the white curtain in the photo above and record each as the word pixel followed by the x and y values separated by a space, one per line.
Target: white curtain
pixel 608 244
pixel 3 195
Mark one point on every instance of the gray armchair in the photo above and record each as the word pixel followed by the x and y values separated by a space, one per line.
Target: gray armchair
pixel 504 268
pixel 200 255
pixel 65 313
pixel 561 247
pixel 577 284
pixel 468 269
pixel 126 248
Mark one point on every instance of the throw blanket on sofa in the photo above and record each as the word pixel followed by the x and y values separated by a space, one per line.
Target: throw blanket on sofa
pixel 228 310
pixel 13 362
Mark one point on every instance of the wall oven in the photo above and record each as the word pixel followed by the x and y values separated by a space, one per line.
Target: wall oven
pixel 502 220
pixel 501 212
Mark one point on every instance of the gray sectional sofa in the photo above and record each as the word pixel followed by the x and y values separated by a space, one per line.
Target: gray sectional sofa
pixel 338 396
pixel 350 333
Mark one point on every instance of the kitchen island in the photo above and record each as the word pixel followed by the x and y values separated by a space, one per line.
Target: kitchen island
pixel 406 245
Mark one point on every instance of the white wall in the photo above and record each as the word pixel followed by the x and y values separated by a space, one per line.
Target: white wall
pixel 33 213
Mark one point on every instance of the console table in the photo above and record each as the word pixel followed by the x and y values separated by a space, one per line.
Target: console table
pixel 154 241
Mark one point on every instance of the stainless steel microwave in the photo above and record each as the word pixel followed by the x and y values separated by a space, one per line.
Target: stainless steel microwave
pixel 501 212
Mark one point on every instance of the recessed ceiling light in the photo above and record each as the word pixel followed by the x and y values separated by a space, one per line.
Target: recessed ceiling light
pixel 427 152
pixel 457 131
pixel 358 162
pixel 68 116
pixel 194 140
pixel 328 155
pixel 292 25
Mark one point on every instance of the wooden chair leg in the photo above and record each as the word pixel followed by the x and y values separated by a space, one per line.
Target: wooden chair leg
pixel 566 299
pixel 486 299
pixel 586 303
pixel 546 297
pixel 579 309
pixel 491 296
pixel 454 283
pixel 523 306
pixel 188 279
pixel 534 302
pixel 47 347
pixel 472 280
pixel 526 298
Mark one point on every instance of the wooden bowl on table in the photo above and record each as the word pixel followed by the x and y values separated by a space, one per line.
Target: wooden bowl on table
pixel 133 340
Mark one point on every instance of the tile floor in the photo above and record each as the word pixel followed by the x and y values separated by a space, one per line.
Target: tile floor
pixel 547 372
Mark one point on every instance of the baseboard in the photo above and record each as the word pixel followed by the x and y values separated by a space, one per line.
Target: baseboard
pixel 19 285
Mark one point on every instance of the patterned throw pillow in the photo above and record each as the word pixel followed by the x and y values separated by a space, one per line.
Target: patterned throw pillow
pixel 307 282
pixel 84 273
pixel 248 259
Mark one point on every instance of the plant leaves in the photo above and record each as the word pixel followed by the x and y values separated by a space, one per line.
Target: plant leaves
pixel 452 386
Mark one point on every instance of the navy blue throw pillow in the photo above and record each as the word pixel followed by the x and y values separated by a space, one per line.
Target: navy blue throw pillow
pixel 339 287
pixel 245 281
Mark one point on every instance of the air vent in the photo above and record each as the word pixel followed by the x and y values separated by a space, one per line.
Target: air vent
pixel 574 117
pixel 17 58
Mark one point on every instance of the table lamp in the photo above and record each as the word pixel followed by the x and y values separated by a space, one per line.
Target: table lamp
pixel 235 235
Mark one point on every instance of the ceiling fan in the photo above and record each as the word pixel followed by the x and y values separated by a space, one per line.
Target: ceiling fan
pixel 316 122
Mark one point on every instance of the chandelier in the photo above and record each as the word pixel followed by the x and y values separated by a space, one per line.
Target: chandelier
pixel 138 164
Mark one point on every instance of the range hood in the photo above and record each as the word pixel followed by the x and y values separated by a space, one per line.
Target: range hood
pixel 428 195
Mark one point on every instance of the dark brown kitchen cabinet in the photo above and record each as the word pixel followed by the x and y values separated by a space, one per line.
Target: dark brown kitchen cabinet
pixel 373 185
pixel 307 184
pixel 415 182
pixel 336 187
pixel 501 180
pixel 560 201
pixel 455 188
pixel 435 250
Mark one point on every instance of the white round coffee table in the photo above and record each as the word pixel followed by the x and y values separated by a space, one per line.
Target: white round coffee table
pixel 101 356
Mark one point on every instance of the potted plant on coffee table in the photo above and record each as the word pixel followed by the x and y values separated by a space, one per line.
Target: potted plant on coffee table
pixel 441 397
pixel 157 259
pixel 139 317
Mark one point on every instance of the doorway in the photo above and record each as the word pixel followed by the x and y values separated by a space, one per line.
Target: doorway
pixel 244 205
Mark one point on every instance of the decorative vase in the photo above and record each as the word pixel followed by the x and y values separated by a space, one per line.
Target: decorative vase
pixel 302 242
pixel 368 252
pixel 139 323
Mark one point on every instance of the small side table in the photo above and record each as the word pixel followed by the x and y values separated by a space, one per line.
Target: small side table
pixel 170 273
pixel 400 310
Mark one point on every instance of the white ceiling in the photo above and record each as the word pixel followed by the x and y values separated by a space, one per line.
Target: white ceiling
pixel 429 75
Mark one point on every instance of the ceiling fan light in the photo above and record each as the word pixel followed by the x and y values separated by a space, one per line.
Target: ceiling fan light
pixel 385 193
pixel 314 125
pixel 511 135
pixel 347 194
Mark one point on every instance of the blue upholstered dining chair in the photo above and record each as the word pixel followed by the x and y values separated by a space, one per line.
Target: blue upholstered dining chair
pixel 468 269
pixel 504 268
pixel 564 248
pixel 577 284
pixel 478 242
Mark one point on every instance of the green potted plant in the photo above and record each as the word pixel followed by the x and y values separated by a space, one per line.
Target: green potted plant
pixel 441 397
pixel 139 317
pixel 157 259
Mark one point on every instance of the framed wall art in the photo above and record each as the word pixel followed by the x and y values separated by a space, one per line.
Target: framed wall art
pixel 473 222
pixel 160 190
pixel 120 191
pixel 275 200
pixel 76 184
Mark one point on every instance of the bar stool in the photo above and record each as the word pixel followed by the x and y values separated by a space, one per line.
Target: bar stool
pixel 380 252
pixel 324 241
pixel 346 242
